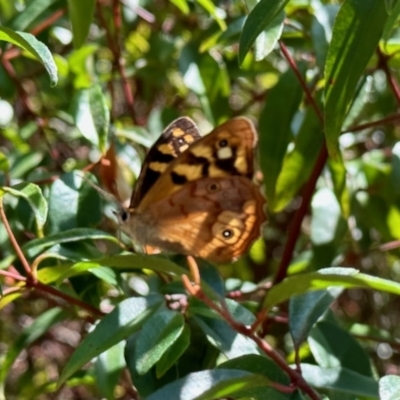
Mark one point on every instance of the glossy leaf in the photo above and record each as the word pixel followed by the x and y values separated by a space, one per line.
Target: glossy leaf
pixel 126 318
pixel 334 347
pixel 224 338
pixel 257 21
pixel 298 163
pixel 343 277
pixel 158 334
pixel 172 354
pixel 275 128
pixel 262 366
pixel 306 309
pixel 32 11
pixel 73 203
pixel 92 116
pixel 340 379
pixel 357 30
pixel 34 47
pixel 81 16
pixel 33 195
pixel 326 217
pixel 389 387
pixel 36 246
pixel 209 385
pixel 321 29
pixel 268 39
pixel 108 367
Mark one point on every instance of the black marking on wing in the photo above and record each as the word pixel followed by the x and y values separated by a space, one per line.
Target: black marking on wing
pixel 178 179
pixel 192 159
pixel 151 177
pixel 161 157
pixel 148 176
pixel 227 164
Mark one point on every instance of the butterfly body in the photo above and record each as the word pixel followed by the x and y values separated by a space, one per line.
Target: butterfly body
pixel 203 202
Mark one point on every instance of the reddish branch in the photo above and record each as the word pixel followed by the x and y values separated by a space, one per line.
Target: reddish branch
pixel 30 280
pixel 295 376
pixel 114 46
pixel 308 190
pixel 383 64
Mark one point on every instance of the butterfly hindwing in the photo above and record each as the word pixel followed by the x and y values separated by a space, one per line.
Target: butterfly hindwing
pixel 175 139
pixel 213 218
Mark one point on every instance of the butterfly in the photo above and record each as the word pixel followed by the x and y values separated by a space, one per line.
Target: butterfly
pixel 195 195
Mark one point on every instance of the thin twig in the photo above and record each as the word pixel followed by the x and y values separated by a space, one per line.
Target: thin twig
pixel 14 242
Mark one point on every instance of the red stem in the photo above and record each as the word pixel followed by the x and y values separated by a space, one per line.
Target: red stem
pixel 383 64
pixel 308 190
pixel 12 275
pixel 14 242
pixel 295 377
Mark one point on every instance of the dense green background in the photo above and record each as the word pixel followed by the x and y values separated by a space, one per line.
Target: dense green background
pixel 87 86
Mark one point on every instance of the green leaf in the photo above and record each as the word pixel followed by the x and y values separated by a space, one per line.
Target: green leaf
pixel 92 116
pixel 340 379
pixel 306 309
pixel 275 128
pixel 9 298
pixel 81 16
pixel 214 12
pixel 321 29
pixel 258 365
pixel 24 163
pixel 258 20
pixel 107 369
pixel 389 387
pixel 37 246
pixel 220 334
pixel 209 385
pixel 190 69
pixel 172 354
pixel 35 48
pixel 182 5
pixel 334 347
pixel 298 163
pixel 267 40
pixel 324 278
pixel 393 11
pixel 104 273
pixel 339 178
pixel 4 163
pixel 126 318
pixel 31 333
pixel 262 366
pixel 32 10
pixel 154 263
pixel 326 217
pixel 160 332
pixel 33 195
pixel 73 203
pixel 80 63
pixel 357 30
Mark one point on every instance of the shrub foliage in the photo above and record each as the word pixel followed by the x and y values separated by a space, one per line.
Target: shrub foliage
pixel 313 309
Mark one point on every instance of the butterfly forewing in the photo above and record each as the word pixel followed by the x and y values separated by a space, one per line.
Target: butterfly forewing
pixel 175 139
pixel 227 151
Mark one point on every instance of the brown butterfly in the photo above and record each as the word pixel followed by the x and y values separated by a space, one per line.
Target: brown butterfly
pixel 195 195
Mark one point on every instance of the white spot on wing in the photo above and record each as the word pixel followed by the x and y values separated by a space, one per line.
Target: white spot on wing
pixel 224 153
